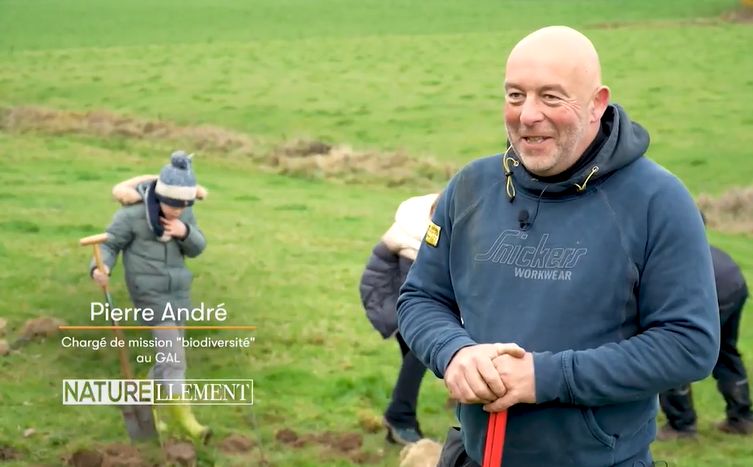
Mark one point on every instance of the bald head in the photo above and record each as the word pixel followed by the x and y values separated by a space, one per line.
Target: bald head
pixel 563 49
pixel 554 99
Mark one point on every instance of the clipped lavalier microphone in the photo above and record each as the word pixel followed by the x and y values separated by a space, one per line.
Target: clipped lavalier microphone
pixel 523 219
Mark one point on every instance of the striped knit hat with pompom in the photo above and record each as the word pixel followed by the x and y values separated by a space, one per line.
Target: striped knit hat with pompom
pixel 176 185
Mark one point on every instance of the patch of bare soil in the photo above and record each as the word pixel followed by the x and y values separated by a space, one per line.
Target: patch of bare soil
pixel 42 327
pixel 287 436
pixel 333 444
pixel 180 453
pixel 86 458
pixel 122 455
pixel 341 442
pixel 174 453
pixel 236 444
pixel 112 455
pixel 7 453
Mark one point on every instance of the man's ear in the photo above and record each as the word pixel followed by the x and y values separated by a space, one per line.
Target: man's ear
pixel 600 103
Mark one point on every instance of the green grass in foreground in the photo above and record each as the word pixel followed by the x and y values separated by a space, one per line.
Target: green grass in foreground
pixel 285 256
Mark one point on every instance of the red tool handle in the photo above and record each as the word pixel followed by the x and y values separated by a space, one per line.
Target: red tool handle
pixel 495 439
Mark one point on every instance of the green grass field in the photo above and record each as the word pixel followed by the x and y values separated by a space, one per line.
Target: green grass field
pixel 285 253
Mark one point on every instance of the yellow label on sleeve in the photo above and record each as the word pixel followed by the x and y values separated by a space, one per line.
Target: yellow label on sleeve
pixel 432 234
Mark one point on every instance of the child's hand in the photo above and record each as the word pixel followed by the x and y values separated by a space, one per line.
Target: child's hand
pixel 101 278
pixel 174 228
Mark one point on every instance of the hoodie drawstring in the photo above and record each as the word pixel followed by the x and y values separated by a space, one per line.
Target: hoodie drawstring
pixel 582 187
pixel 509 187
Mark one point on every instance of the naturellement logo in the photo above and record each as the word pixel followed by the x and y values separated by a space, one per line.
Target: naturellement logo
pixel 540 262
pixel 158 392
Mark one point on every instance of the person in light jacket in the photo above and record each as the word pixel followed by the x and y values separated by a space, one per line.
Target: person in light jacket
pixel 385 272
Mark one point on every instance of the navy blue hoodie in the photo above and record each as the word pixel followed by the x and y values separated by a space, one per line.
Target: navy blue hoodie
pixel 606 278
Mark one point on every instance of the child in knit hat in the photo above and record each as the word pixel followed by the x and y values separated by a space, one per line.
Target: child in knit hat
pixel 156 230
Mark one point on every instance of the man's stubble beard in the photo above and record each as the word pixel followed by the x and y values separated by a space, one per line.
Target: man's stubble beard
pixel 539 165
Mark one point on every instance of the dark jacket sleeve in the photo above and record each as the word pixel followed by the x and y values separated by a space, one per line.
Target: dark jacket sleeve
pixel 379 288
pixel 730 282
pixel 678 315
pixel 404 267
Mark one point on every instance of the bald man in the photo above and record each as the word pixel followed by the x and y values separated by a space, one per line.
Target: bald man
pixel 567 280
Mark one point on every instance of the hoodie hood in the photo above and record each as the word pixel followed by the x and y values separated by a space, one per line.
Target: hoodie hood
pixel 626 142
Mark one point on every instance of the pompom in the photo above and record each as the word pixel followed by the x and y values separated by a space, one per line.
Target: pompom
pixel 180 160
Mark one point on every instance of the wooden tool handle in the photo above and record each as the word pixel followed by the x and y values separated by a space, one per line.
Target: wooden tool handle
pixel 98 259
pixel 93 239
pixel 125 367
pixel 100 264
